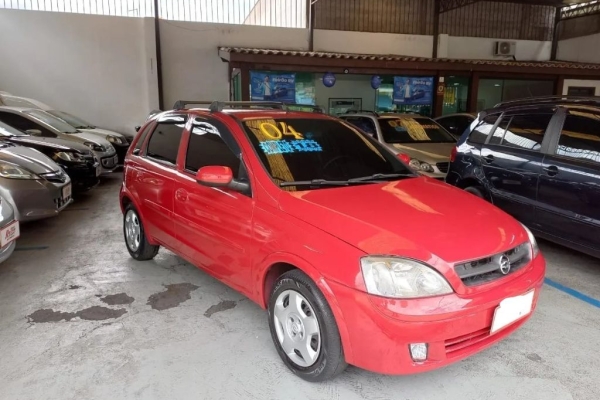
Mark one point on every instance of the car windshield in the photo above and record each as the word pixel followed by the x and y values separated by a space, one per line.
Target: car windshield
pixel 413 130
pixel 72 120
pixel 51 121
pixel 7 131
pixel 325 151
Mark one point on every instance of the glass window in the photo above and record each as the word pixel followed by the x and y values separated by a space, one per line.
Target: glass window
pixel 310 149
pixel 142 139
pixel 164 142
pixel 413 130
pixel 456 93
pixel 456 125
pixel 7 130
pixel 364 124
pixel 522 131
pixel 483 129
pixel 24 124
pixel 206 147
pixel 493 91
pixel 51 121
pixel 72 120
pixel 580 137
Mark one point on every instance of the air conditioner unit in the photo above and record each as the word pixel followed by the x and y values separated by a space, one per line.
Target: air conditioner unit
pixel 505 49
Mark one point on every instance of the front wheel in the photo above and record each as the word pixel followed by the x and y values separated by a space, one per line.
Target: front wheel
pixel 135 237
pixel 303 328
pixel 475 190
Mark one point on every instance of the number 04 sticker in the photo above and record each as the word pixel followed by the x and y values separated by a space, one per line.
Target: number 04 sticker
pixel 274 132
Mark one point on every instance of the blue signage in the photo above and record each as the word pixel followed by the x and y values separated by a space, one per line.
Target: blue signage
pixel 411 90
pixel 375 81
pixel 273 86
pixel 328 79
pixel 272 147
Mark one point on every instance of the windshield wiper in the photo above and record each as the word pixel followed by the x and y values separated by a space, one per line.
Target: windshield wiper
pixel 380 177
pixel 314 182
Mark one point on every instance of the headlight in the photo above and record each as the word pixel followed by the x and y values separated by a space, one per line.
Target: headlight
pixel 12 171
pixel 401 278
pixel 94 146
pixel 72 157
pixel 420 165
pixel 534 245
pixel 115 139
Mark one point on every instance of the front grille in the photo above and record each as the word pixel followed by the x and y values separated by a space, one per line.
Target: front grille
pixel 55 177
pixel 485 270
pixel 464 341
pixel 443 167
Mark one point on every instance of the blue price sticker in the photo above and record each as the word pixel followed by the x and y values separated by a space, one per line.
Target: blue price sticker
pixel 272 147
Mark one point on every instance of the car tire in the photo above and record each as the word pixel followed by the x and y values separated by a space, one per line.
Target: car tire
pixel 476 190
pixel 135 238
pixel 309 326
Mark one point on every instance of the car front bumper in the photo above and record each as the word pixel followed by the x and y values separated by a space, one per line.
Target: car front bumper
pixel 108 161
pixel 34 199
pixel 7 217
pixel 380 330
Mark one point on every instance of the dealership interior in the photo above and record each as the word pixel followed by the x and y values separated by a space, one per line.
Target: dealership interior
pixel 471 134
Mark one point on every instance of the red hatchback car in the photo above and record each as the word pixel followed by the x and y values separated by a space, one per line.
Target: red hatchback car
pixel 357 259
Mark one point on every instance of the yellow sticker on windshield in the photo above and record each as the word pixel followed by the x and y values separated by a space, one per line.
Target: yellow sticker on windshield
pixel 414 129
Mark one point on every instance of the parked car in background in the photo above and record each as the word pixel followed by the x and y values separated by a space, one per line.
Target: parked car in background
pixel 418 141
pixel 39 123
pixel 357 258
pixel 456 124
pixel 9 230
pixel 539 160
pixel 34 185
pixel 75 159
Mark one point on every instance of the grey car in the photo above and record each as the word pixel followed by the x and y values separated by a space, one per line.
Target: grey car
pixel 34 185
pixel 39 123
pixel 9 230
pixel 417 140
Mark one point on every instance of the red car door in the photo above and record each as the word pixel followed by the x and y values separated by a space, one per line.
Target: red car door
pixel 214 225
pixel 152 179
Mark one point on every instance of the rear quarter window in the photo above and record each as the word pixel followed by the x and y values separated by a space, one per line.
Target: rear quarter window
pixel 480 133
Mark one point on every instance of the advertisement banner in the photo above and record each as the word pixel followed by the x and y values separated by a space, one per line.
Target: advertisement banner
pixel 273 86
pixel 411 90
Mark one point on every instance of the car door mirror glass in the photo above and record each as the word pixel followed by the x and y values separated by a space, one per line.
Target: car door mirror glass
pixel 34 132
pixel 137 128
pixel 214 176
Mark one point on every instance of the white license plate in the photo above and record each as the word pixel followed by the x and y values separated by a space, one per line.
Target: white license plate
pixel 66 192
pixel 511 310
pixel 9 233
pixel 98 170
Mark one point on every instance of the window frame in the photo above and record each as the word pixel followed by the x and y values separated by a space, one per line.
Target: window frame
pixel 165 120
pixel 490 133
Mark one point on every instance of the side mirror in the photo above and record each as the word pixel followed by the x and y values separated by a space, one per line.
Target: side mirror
pixel 220 176
pixel 137 128
pixel 33 132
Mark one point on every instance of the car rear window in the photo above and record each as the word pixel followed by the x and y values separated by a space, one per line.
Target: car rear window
pixel 304 149
pixel 413 130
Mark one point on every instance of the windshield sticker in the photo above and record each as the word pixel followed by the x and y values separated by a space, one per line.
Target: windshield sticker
pixel 414 129
pixel 272 147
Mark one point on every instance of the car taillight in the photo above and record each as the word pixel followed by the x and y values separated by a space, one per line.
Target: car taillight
pixel 404 158
pixel 453 154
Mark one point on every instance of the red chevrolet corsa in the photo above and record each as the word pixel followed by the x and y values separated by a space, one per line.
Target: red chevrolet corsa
pixel 357 259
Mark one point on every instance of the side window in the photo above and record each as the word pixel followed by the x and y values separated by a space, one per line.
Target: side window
pixel 23 124
pixel 141 140
pixel 580 138
pixel 480 133
pixel 164 142
pixel 522 131
pixel 364 124
pixel 207 147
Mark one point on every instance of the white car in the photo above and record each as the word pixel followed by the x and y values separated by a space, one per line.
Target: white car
pixel 39 123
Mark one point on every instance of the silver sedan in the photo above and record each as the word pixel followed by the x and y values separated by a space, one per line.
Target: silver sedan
pixel 34 185
pixel 9 230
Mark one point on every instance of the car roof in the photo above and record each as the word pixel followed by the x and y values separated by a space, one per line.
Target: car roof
pixel 472 115
pixel 18 109
pixel 244 114
pixel 383 115
pixel 541 101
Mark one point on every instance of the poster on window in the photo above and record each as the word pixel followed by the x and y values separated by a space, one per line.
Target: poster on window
pixel 410 90
pixel 273 86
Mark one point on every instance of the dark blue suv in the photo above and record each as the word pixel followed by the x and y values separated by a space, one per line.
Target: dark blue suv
pixel 539 160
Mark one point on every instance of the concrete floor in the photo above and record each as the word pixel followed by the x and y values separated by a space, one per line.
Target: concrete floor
pixel 169 331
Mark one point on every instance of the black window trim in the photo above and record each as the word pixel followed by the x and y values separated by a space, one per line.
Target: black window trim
pixel 491 132
pixel 164 121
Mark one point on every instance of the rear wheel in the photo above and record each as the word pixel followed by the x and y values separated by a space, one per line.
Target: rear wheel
pixel 135 238
pixel 303 328
pixel 476 190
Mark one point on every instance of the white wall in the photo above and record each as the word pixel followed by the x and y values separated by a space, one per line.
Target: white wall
pixel 346 86
pixel 192 69
pixel 582 49
pixel 474 48
pixel 373 43
pixel 96 67
pixel 581 83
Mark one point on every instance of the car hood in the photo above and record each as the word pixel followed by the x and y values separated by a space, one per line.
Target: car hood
pixel 102 132
pixel 419 218
pixel 91 137
pixel 428 152
pixel 30 159
pixel 54 143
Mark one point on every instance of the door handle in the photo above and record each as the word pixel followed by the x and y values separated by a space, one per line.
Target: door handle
pixel 551 170
pixel 488 159
pixel 181 195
